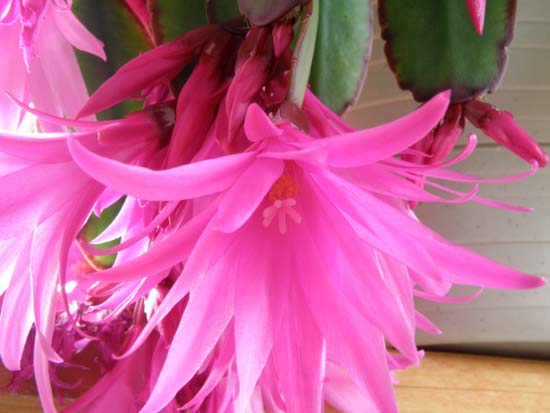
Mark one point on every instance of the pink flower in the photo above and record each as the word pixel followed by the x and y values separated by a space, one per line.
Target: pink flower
pixel 303 249
pixel 38 64
pixel 47 200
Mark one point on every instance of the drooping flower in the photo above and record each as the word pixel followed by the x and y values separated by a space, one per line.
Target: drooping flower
pixel 38 64
pixel 312 232
pixel 141 138
pixel 46 201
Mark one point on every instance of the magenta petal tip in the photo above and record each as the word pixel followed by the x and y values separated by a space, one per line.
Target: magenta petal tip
pixel 476 8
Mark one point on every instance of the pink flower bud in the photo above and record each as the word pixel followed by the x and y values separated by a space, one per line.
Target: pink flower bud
pixel 501 126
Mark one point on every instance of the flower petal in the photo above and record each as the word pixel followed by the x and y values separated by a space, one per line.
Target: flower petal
pixel 381 142
pixel 161 255
pixel 263 285
pixel 457 264
pixel 16 314
pixel 183 182
pixel 155 67
pixel 77 35
pixel 204 320
pixel 476 8
pixel 44 147
pixel 246 194
pixel 299 355
pixel 258 126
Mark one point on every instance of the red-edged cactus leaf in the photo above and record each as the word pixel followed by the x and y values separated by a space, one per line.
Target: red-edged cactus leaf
pixel 123 37
pixel 432 45
pixel 262 12
pixel 342 50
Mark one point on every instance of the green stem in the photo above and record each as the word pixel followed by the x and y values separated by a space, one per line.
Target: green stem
pixel 303 54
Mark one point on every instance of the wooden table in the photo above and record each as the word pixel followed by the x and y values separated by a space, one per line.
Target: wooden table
pixel 453 383
pixel 445 383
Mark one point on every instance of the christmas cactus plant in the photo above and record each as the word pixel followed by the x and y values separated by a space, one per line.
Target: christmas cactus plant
pixel 204 232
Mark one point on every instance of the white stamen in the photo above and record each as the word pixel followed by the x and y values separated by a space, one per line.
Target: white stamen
pixel 280 209
pixel 282 222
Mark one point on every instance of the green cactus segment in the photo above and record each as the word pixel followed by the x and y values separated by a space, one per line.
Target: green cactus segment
pixel 178 17
pixel 431 45
pixel 342 50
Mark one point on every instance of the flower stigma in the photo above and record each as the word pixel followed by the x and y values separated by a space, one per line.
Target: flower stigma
pixel 281 196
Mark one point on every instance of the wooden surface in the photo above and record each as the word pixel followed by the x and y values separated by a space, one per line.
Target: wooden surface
pixel 452 383
pixel 445 383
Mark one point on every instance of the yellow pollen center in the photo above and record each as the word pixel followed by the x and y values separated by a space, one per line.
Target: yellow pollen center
pixel 281 196
pixel 284 188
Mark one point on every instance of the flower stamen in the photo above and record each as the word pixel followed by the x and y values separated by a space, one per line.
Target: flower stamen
pixel 282 200
pixel 280 209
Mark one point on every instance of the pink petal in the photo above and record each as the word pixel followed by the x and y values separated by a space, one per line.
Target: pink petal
pixel 42 378
pixel 246 194
pixel 343 395
pixel 44 281
pixel 424 324
pixel 342 250
pixel 476 8
pixel 14 76
pixel 161 255
pixel 16 314
pixel 299 355
pixel 155 67
pixel 43 148
pixel 77 35
pixel 459 264
pixel 211 247
pixel 184 182
pixel 258 126
pixel 352 342
pixel 55 81
pixel 262 285
pixel 371 145
pixel 216 371
pixel 9 12
pixel 204 320
pixel 312 105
